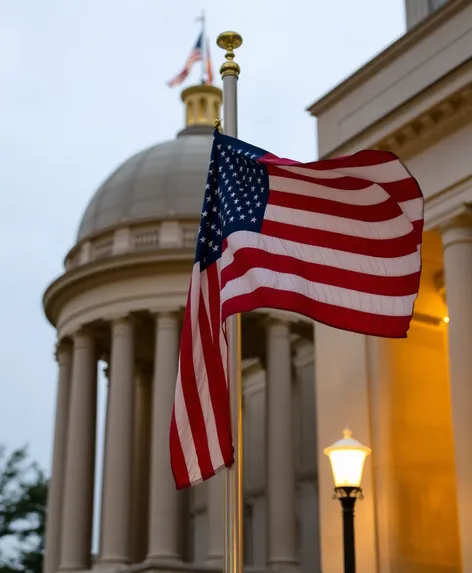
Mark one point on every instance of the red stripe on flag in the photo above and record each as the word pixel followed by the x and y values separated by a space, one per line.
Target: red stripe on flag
pixel 344 182
pixel 365 158
pixel 384 211
pixel 401 191
pixel 249 258
pixel 190 393
pixel 384 248
pixel 216 377
pixel 337 317
pixel 177 458
pixel 214 301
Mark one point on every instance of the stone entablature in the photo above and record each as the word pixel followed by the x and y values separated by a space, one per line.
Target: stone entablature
pixel 134 238
pixel 429 55
pixel 430 126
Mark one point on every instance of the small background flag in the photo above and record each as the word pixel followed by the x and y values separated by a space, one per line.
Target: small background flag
pixel 196 55
pixel 208 65
pixel 336 240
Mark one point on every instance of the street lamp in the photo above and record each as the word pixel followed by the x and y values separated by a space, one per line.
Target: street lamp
pixel 347 457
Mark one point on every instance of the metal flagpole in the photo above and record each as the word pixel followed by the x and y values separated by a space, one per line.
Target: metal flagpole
pixel 234 560
pixel 202 20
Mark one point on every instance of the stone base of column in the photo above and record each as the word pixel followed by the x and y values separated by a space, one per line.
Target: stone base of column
pixel 172 560
pixel 110 565
pixel 215 562
pixel 159 566
pixel 284 566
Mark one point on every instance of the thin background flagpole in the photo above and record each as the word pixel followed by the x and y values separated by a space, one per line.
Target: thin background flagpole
pixel 234 554
pixel 202 20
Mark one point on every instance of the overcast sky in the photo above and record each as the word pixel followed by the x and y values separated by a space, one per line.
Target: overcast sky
pixel 83 86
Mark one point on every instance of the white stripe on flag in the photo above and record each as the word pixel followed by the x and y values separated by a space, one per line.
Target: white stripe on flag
pixel 382 173
pixel 377 266
pixel 201 374
pixel 185 433
pixel 413 209
pixel 370 195
pixel 333 295
pixel 391 229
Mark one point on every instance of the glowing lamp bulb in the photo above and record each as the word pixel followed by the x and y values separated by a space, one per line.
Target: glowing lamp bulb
pixel 347 457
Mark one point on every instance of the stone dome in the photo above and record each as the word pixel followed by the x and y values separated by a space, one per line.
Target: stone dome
pixel 165 180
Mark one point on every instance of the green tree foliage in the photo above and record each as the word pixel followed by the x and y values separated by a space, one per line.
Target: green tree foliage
pixel 23 495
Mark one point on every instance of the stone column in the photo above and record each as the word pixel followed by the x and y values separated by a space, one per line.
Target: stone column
pixel 457 241
pixel 216 514
pixel 118 470
pixel 77 517
pixel 141 465
pixel 56 485
pixel 164 498
pixel 280 473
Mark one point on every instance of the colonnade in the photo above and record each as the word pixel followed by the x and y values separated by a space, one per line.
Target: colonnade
pixel 138 491
pixel 139 488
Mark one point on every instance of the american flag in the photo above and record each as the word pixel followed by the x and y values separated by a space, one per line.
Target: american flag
pixel 337 240
pixel 196 55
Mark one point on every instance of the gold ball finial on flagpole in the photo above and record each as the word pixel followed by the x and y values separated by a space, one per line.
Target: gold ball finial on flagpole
pixel 229 41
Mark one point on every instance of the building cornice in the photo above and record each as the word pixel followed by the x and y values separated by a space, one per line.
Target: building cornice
pixel 106 270
pixel 430 126
pixel 448 205
pixel 391 53
pixel 416 131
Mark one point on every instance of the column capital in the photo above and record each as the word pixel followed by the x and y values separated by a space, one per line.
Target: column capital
pixel 166 318
pixel 458 228
pixel 165 311
pixel 83 337
pixel 304 352
pixel 277 323
pixel 123 326
pixel 63 350
pixel 124 319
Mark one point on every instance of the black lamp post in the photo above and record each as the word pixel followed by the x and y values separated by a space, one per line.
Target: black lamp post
pixel 347 457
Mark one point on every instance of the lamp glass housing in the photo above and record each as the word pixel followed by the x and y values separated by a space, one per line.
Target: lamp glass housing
pixel 347 457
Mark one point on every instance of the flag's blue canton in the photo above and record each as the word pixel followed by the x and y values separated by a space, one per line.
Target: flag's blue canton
pixel 236 195
pixel 198 45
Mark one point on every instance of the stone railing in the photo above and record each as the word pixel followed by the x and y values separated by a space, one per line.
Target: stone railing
pixel 135 238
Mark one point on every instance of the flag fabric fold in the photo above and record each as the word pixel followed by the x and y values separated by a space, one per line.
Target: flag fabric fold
pixel 337 240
